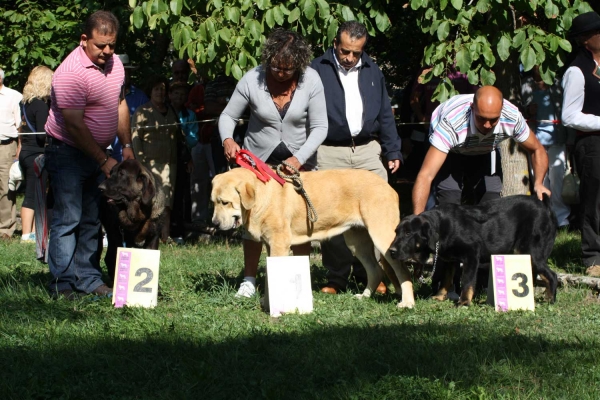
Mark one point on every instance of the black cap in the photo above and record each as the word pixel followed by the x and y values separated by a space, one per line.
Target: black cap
pixel 586 22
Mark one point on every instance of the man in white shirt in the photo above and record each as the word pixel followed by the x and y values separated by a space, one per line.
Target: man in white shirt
pixel 10 119
pixel 581 111
pixel 361 130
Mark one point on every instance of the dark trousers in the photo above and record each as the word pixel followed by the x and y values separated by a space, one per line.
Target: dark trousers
pixel 587 158
pixel 465 179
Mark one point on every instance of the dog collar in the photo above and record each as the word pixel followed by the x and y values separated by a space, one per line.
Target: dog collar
pixel 246 159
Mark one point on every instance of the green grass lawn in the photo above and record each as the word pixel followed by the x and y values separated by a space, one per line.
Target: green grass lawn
pixel 202 343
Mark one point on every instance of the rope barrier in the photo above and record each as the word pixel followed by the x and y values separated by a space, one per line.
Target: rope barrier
pixel 296 181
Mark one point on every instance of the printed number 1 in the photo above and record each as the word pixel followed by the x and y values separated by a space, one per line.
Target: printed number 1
pixel 140 286
pixel 522 285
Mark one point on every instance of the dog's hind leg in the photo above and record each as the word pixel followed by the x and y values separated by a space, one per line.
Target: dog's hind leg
pixel 359 242
pixel 548 277
pixel 469 279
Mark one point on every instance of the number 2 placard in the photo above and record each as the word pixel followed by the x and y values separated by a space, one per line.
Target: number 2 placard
pixel 511 282
pixel 136 277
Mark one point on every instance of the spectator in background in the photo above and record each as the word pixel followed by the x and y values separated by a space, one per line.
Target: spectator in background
pixel 288 121
pixel 35 108
pixel 359 117
pixel 543 105
pixel 581 111
pixel 86 113
pixel 154 139
pixel 134 98
pixel 187 140
pixel 10 120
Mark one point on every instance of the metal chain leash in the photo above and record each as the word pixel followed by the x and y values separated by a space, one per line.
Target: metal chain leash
pixel 296 181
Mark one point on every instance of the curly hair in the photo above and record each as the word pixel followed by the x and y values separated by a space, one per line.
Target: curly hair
pixel 286 46
pixel 38 84
pixel 154 81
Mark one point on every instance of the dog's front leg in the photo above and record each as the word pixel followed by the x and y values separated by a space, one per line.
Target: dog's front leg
pixel 360 244
pixel 446 269
pixel 469 278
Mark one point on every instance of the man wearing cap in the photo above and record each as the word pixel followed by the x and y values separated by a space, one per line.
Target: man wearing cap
pixel 581 111
pixel 10 119
pixel 87 111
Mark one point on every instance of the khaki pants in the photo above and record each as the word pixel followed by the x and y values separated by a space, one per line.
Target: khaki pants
pixel 337 258
pixel 8 209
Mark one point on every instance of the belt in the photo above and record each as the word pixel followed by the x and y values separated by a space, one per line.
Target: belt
pixel 7 141
pixel 357 141
pixel 53 141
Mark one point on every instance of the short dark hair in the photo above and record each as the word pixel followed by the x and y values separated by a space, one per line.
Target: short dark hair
pixel 104 22
pixel 155 81
pixel 354 29
pixel 289 46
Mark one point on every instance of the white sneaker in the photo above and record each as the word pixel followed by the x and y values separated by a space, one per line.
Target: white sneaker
pixel 246 289
pixel 105 242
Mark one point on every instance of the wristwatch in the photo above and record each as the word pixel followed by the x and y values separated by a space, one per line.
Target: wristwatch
pixel 127 146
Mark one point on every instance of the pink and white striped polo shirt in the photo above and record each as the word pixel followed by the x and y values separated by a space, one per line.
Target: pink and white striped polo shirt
pixel 81 85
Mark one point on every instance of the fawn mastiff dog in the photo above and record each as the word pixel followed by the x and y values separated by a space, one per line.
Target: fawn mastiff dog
pixel 357 203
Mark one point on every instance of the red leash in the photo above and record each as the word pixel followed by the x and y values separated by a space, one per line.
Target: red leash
pixel 247 160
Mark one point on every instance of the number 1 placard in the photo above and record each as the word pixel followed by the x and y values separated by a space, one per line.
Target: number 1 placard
pixel 136 277
pixel 511 282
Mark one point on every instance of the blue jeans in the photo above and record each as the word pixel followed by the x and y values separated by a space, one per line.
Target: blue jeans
pixel 75 227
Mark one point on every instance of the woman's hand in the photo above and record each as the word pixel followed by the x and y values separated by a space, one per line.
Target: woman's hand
pixel 293 161
pixel 231 149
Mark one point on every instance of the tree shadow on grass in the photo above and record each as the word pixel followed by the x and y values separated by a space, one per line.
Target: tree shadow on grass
pixel 400 361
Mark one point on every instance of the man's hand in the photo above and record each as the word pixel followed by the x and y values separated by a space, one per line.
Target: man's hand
pixel 540 189
pixel 128 153
pixel 393 165
pixel 108 165
pixel 231 149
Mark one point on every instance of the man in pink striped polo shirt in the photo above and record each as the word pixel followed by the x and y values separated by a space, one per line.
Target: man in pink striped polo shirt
pixel 88 111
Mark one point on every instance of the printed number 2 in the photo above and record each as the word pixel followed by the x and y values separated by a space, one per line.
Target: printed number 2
pixel 522 285
pixel 140 286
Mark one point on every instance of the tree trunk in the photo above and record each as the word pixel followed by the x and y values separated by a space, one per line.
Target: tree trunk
pixel 515 168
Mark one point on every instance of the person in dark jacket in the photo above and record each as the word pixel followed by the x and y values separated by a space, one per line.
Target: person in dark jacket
pixel 361 131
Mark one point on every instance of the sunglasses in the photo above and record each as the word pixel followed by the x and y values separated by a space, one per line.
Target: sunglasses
pixel 287 71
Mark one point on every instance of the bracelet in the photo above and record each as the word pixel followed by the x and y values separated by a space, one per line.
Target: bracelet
pixel 104 162
pixel 127 146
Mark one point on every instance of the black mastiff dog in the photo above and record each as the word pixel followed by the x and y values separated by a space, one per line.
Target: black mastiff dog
pixel 471 234
pixel 133 211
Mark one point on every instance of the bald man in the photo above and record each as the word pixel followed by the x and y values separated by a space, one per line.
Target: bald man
pixel 464 134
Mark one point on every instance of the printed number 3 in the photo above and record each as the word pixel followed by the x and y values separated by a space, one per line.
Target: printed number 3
pixel 522 285
pixel 149 275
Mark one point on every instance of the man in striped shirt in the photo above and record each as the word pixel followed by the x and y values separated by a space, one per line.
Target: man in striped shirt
pixel 88 110
pixel 464 134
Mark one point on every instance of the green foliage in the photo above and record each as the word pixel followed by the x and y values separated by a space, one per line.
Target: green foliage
pixel 473 36
pixel 38 34
pixel 226 35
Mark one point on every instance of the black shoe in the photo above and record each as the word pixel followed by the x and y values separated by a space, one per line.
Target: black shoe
pixel 102 290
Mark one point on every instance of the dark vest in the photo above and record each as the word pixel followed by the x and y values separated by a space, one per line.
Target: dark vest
pixel 585 62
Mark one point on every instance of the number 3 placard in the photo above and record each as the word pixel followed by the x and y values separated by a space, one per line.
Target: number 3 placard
pixel 136 278
pixel 511 283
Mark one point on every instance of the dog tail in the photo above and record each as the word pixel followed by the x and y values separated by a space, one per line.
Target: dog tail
pixel 548 206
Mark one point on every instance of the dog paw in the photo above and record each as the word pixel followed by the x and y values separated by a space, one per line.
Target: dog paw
pixel 463 303
pixel 406 304
pixel 439 297
pixel 365 295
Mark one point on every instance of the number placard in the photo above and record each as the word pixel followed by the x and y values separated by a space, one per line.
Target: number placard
pixel 288 285
pixel 510 284
pixel 136 278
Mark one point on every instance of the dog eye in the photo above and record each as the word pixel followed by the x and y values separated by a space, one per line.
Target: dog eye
pixel 224 203
pixel 407 234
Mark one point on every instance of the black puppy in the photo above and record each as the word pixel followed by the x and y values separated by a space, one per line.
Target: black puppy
pixel 133 213
pixel 471 234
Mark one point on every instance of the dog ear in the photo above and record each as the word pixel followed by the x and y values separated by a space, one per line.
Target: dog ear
pixel 247 194
pixel 430 234
pixel 148 189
